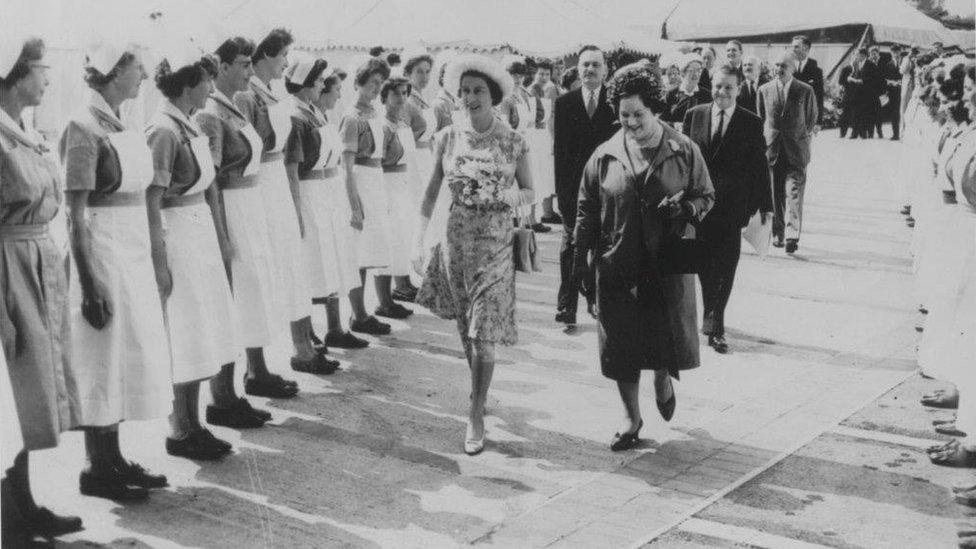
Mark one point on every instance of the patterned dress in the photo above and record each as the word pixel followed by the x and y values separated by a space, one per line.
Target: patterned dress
pixel 471 276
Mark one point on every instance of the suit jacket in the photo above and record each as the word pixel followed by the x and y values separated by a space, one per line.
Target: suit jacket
pixel 575 137
pixel 812 76
pixel 738 167
pixel 749 101
pixel 788 127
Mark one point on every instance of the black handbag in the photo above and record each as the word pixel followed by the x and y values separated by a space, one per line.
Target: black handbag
pixel 682 255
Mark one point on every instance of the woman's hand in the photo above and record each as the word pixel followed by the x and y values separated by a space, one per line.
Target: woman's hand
pixel 164 280
pixel 672 207
pixel 95 306
pixel 357 214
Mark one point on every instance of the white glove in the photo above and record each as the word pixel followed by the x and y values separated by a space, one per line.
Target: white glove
pixel 418 257
pixel 517 197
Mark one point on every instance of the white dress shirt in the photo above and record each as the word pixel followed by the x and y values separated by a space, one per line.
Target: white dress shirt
pixel 596 95
pixel 715 119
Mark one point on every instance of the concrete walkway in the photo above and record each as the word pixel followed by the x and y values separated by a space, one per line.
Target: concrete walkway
pixel 372 455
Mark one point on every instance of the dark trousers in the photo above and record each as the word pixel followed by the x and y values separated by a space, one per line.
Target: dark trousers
pixel 568 295
pixel 724 243
pixel 894 107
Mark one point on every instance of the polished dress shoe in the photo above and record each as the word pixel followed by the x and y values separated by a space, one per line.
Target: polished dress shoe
pixel 778 242
pixel 626 441
pixel 137 475
pixel 553 219
pixel 566 317
pixel 345 340
pixel 240 415
pixel 718 343
pixel 196 446
pixel 792 245
pixel 110 484
pixel 370 326
pixel 43 522
pixel 395 311
pixel 318 365
pixel 407 294
pixel 270 386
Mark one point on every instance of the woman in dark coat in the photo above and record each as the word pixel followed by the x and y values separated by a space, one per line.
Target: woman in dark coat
pixel 643 187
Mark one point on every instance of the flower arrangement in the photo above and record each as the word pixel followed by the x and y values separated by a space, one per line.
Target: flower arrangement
pixel 477 180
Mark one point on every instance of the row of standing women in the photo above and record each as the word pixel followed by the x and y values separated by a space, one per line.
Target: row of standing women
pixel 233 213
pixel 940 156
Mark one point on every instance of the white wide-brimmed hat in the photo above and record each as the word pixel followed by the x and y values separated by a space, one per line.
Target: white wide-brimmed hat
pixel 11 46
pixel 480 63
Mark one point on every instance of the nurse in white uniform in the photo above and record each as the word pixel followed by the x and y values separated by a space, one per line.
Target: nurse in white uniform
pixel 361 131
pixel 519 110
pixel 197 302
pixel 309 159
pixel 118 337
pixel 238 211
pixel 343 276
pixel 270 114
pixel 400 183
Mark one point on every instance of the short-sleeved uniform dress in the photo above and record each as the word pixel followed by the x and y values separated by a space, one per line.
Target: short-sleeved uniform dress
pixel 200 315
pixel 362 134
pixel 422 119
pixel 271 118
pixel 315 146
pixel 400 182
pixel 34 320
pixel 471 276
pixel 123 369
pixel 521 118
pixel 236 149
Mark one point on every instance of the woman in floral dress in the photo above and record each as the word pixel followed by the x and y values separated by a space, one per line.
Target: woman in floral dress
pixel 471 276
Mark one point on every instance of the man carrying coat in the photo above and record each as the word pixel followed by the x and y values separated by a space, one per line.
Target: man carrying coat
pixel 788 108
pixel 582 120
pixel 731 140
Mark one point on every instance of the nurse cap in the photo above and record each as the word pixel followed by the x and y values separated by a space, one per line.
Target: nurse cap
pixel 299 67
pixel 11 46
pixel 479 63
pixel 182 53
pixel 103 56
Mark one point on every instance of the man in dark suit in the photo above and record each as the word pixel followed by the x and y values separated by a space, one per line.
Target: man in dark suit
pixel 808 72
pixel 788 108
pixel 874 88
pixel 748 97
pixel 582 120
pixel 892 75
pixel 731 140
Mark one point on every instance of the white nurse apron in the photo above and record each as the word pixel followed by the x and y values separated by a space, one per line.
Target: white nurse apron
pixel 200 310
pixel 253 270
pixel 339 216
pixel 317 245
pixel 540 146
pixel 942 267
pixel 123 369
pixel 404 206
pixel 373 246
pixel 291 273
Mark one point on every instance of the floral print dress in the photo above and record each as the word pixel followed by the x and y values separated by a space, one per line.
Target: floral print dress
pixel 471 275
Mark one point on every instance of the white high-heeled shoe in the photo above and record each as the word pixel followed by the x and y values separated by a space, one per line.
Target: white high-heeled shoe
pixel 474 447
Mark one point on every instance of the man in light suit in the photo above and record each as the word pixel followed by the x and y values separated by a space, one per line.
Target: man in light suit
pixel 731 140
pixel 788 108
pixel 582 120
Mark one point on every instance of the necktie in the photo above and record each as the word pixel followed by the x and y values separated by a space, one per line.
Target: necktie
pixel 591 104
pixel 717 136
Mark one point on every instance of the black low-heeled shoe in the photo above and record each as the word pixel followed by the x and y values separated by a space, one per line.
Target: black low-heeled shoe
pixel 45 523
pixel 320 365
pixel 626 441
pixel 270 387
pixel 110 484
pixel 137 475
